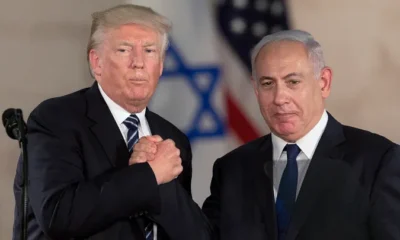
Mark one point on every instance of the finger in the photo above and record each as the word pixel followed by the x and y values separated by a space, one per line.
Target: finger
pixel 143 156
pixel 172 152
pixel 145 146
pixel 163 146
pixel 175 162
pixel 144 139
pixel 178 170
pixel 138 157
pixel 169 142
pixel 179 161
pixel 167 145
pixel 154 138
pixel 150 156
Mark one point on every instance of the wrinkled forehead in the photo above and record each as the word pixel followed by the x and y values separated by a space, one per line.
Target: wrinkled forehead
pixel 280 58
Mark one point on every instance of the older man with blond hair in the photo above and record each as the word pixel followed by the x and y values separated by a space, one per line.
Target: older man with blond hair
pixel 102 165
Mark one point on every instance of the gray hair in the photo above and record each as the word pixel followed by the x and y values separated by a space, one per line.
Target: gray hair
pixel 313 48
pixel 127 14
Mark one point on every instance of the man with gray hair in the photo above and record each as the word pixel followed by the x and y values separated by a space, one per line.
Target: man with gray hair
pixel 102 165
pixel 311 177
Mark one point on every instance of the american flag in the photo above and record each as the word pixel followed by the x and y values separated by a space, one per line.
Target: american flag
pixel 243 23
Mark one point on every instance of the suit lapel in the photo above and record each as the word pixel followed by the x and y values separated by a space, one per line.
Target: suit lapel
pixel 105 128
pixel 263 181
pixel 156 126
pixel 319 176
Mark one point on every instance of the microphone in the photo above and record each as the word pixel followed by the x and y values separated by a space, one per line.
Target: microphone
pixel 16 129
pixel 10 119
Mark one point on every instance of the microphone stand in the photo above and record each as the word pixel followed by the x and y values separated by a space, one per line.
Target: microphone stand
pixel 22 144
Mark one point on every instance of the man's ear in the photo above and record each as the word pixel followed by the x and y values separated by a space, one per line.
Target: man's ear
pixel 95 63
pixel 255 85
pixel 325 81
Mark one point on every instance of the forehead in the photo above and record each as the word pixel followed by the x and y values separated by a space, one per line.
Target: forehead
pixel 282 53
pixel 133 32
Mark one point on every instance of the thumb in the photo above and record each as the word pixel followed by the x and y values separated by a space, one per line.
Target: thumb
pixel 154 138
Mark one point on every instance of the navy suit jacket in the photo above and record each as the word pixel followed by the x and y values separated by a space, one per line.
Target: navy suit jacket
pixel 351 190
pixel 80 184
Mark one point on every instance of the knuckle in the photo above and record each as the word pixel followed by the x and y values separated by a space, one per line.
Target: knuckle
pixel 148 147
pixel 170 142
pixel 157 136
pixel 134 153
pixel 180 169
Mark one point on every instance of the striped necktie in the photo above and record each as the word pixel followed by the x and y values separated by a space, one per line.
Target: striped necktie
pixel 132 123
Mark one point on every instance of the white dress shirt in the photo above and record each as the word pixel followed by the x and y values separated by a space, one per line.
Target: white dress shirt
pixel 120 115
pixel 307 145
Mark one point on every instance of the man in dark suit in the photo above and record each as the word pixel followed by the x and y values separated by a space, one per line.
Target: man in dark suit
pixel 312 178
pixel 86 180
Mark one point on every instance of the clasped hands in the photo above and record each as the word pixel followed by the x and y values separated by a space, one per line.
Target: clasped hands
pixel 162 156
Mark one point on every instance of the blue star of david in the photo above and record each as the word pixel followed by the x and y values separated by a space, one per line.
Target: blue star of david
pixel 203 95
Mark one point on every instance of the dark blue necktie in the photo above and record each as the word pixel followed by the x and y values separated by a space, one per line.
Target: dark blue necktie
pixel 132 123
pixel 287 191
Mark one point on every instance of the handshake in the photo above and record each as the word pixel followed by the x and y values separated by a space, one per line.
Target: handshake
pixel 162 156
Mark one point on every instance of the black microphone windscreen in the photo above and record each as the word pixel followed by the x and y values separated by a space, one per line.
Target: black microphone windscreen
pixel 7 114
pixel 10 123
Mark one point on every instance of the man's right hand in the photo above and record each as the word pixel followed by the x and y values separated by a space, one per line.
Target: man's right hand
pixel 167 164
pixel 145 149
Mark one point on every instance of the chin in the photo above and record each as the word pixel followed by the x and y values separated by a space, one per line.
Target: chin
pixel 286 129
pixel 138 92
pixel 138 99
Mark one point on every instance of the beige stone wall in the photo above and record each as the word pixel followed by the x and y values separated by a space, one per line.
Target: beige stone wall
pixel 42 50
pixel 361 43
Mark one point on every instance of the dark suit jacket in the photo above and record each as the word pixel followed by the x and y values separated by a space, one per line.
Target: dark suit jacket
pixel 80 184
pixel 351 190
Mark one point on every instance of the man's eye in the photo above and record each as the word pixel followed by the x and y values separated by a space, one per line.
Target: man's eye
pixel 294 82
pixel 266 83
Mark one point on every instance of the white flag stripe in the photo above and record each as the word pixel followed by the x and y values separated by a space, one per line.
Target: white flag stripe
pixel 237 81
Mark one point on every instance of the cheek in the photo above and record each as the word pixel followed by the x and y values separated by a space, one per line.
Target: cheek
pixel 302 100
pixel 266 103
pixel 154 72
pixel 114 68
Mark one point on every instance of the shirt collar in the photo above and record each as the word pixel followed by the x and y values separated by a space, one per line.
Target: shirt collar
pixel 307 144
pixel 119 113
